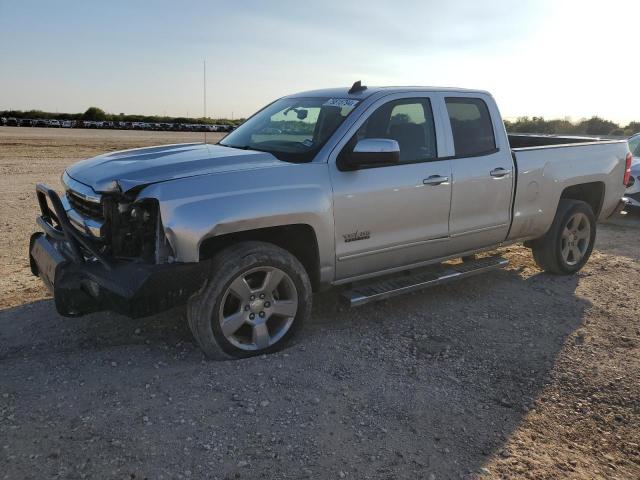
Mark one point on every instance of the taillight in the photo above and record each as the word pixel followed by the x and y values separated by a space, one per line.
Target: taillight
pixel 627 169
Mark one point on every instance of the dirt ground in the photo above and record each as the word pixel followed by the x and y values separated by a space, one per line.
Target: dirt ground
pixel 512 374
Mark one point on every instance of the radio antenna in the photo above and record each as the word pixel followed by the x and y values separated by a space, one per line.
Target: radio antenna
pixel 204 90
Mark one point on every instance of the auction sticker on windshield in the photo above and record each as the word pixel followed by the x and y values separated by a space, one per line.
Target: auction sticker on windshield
pixel 341 102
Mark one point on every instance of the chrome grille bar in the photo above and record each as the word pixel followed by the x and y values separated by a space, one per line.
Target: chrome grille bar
pixel 83 207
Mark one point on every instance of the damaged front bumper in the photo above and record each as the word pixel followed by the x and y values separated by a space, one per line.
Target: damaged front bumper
pixel 82 280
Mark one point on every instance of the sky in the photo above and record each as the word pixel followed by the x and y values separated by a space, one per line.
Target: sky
pixel 551 58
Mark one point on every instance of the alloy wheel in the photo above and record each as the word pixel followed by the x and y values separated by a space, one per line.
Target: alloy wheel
pixel 575 238
pixel 258 308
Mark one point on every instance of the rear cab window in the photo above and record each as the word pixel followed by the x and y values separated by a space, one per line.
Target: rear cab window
pixel 471 126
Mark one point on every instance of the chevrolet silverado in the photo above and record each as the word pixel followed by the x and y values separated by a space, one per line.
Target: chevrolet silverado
pixel 376 191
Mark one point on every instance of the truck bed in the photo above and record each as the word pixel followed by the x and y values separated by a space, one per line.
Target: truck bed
pixel 548 165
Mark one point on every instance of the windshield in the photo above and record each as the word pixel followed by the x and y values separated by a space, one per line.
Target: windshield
pixel 292 129
pixel 634 145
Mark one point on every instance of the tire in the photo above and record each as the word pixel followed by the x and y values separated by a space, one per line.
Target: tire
pixel 568 244
pixel 259 292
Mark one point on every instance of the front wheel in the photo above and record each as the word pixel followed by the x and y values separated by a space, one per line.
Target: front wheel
pixel 256 299
pixel 567 246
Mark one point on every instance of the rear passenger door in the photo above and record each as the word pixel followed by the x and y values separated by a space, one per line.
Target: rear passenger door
pixel 482 173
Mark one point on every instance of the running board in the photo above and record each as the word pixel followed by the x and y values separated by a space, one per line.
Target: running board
pixel 390 286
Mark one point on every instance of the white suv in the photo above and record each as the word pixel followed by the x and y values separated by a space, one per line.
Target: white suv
pixel 632 193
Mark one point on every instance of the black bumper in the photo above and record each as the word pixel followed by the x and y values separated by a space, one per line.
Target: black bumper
pixel 83 281
pixel 622 204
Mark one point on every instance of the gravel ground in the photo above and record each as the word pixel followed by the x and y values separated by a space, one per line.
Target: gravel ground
pixel 512 374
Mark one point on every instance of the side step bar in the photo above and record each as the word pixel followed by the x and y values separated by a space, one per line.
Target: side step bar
pixel 390 286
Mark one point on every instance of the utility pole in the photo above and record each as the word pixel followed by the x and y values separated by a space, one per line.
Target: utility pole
pixel 204 89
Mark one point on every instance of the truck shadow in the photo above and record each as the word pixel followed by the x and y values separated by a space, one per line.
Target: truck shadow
pixel 434 381
pixel 474 355
pixel 37 328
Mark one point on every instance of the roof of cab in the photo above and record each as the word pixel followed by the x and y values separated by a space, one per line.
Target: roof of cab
pixel 361 94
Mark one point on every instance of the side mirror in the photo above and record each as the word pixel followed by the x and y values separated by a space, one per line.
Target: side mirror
pixel 373 152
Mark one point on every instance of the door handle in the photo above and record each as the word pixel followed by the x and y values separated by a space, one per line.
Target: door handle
pixel 499 172
pixel 435 180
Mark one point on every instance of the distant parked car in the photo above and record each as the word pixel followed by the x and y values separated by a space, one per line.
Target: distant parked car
pixel 26 122
pixel 3 121
pixel 12 122
pixel 632 193
pixel 66 123
pixel 41 122
pixel 54 123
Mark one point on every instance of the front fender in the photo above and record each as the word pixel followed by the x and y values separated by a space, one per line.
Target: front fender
pixel 197 208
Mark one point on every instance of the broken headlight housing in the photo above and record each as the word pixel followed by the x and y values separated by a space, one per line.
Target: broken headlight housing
pixel 135 231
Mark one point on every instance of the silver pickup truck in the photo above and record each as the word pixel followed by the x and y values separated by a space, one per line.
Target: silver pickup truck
pixel 377 191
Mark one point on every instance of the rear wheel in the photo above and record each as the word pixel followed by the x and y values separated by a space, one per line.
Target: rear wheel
pixel 256 299
pixel 567 246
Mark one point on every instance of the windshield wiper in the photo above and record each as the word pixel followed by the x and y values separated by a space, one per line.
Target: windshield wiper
pixel 239 147
pixel 247 147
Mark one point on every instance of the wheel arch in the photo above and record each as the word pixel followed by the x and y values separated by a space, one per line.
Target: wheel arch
pixel 298 239
pixel 592 193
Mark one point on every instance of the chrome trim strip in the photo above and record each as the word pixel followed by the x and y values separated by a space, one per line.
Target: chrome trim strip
pixel 394 247
pixel 80 189
pixel 478 230
pixel 424 263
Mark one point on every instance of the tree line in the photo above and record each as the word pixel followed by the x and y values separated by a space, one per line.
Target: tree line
pixel 587 126
pixel 97 114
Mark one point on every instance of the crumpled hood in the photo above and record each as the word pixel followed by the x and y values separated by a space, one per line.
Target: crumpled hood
pixel 127 169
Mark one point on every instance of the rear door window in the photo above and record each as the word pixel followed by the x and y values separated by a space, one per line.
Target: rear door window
pixel 471 126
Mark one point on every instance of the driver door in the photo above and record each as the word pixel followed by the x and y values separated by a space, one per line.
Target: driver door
pixel 395 215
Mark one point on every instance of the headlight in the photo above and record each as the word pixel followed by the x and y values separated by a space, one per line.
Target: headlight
pixel 140 213
pixel 133 230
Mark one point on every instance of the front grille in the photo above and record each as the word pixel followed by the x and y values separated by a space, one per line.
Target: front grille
pixel 85 207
